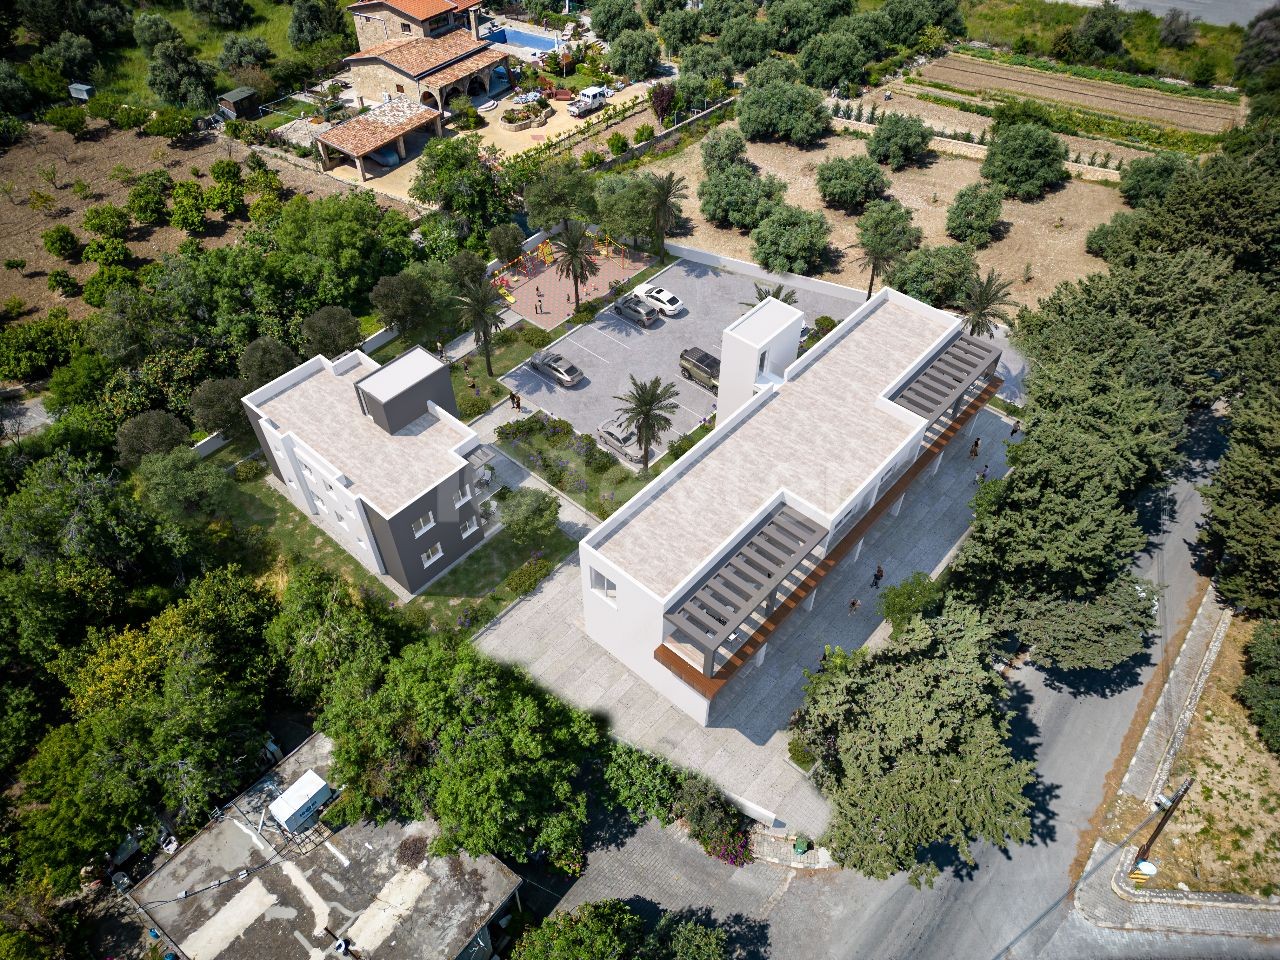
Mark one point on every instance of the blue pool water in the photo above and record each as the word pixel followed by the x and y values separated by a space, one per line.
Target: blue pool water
pixel 521 39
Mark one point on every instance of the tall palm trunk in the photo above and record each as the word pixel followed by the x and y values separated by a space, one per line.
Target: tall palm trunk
pixel 872 282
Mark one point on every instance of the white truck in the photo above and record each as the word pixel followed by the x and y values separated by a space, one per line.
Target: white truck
pixel 591 98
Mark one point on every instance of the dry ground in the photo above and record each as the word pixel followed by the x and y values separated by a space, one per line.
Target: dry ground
pixel 1187 113
pixel 1047 235
pixel 1225 836
pixel 92 160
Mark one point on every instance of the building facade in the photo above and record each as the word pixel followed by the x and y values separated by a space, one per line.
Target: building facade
pixel 378 458
pixel 429 50
pixel 686 581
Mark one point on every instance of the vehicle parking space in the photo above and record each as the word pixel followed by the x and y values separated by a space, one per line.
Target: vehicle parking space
pixel 610 350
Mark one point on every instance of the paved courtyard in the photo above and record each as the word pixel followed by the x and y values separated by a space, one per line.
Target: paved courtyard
pixel 610 349
pixel 744 748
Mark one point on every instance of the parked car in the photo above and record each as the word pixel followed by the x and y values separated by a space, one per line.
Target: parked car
pixel 700 367
pixel 636 310
pixel 386 156
pixel 662 300
pixel 620 438
pixel 556 367
pixel 591 98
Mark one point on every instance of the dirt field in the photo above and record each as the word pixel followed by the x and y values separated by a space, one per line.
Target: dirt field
pixel 1226 834
pixel 969 73
pixel 1048 235
pixel 92 160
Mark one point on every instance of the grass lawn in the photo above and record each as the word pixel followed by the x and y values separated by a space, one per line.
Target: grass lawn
pixel 480 576
pixel 298 108
pixel 1002 22
pixel 288 532
pixel 564 466
pixel 126 69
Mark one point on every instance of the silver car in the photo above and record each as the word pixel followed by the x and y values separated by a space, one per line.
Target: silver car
pixel 556 367
pixel 620 438
pixel 636 310
pixel 661 299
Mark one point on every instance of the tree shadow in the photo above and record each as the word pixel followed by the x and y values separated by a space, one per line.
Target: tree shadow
pixel 1024 742
pixel 607 828
pixel 748 937
pixel 1098 683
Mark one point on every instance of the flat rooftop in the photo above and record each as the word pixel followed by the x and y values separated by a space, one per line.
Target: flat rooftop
pixel 353 882
pixel 386 469
pixel 820 436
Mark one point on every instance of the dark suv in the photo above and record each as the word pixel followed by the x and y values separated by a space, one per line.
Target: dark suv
pixel 700 367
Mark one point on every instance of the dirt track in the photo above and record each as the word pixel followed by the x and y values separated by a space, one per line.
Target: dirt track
pixel 1186 113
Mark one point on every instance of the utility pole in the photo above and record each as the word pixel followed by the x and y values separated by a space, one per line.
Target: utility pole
pixel 1137 875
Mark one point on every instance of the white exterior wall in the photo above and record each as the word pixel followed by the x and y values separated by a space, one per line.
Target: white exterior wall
pixel 740 351
pixel 630 627
pixel 343 517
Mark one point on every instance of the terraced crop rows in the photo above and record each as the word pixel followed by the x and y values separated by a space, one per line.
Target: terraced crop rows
pixel 1170 110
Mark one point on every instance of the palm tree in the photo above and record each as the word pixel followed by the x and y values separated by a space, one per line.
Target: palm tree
pixel 666 190
pixel 647 407
pixel 763 291
pixel 984 304
pixel 879 261
pixel 574 247
pixel 481 306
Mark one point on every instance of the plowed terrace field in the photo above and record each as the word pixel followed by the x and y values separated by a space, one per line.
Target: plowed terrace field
pixel 1165 109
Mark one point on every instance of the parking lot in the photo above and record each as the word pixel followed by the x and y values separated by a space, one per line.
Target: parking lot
pixel 611 349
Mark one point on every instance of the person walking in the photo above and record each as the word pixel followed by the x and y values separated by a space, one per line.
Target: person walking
pixel 854 605
pixel 981 475
pixel 511 399
pixel 1017 428
pixel 973 450
pixel 877 577
pixel 475 387
pixel 517 403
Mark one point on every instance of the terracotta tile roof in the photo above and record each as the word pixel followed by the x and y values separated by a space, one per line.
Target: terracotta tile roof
pixel 467 67
pixel 378 127
pixel 419 56
pixel 418 9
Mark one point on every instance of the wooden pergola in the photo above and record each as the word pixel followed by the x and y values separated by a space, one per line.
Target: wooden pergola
pixel 378 127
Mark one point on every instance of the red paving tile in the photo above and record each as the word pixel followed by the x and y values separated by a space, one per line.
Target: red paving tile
pixel 557 294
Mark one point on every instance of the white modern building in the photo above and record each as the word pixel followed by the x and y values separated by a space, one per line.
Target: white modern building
pixel 377 456
pixel 685 583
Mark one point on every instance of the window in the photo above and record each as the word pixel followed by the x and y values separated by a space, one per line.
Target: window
pixel 462 496
pixel 424 523
pixel 760 366
pixel 342 521
pixel 432 555
pixel 399 88
pixel 405 28
pixel 603 585
pixel 471 526
pixel 321 504
pixel 307 470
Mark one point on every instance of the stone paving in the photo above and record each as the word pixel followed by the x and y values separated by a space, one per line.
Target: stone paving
pixel 744 748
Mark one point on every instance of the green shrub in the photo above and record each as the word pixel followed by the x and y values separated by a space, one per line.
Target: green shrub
pixel 536 337
pixel 800 754
pixel 246 471
pixel 503 338
pixel 471 406
pixel 106 280
pixel 644 133
pixel 1027 161
pixel 522 429
pixel 559 432
pixel 599 460
pixel 526 577
pixel 917 595
pixel 713 821
pixel 973 216
pixel 899 140
pixel 592 158
pixel 618 143
pixel 62 282
pixel 824 325
pixel 681 445
pixel 849 183
pixel 644 785
pixel 32 349
pixel 106 220
pixel 105 251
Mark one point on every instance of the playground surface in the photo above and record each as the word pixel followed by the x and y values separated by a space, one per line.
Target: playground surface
pixel 521 281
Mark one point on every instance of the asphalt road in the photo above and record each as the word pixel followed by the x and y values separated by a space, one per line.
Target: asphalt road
pixel 1075 737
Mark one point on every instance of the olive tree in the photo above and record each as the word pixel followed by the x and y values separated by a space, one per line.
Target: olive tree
pixel 791 240
pixel 899 140
pixel 849 183
pixel 1027 161
pixel 973 215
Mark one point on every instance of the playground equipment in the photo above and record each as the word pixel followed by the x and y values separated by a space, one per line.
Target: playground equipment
pixel 545 252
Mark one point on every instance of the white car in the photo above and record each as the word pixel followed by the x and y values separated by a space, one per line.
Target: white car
pixel 662 300
pixel 621 438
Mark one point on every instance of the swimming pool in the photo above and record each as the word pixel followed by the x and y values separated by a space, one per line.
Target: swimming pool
pixel 519 38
